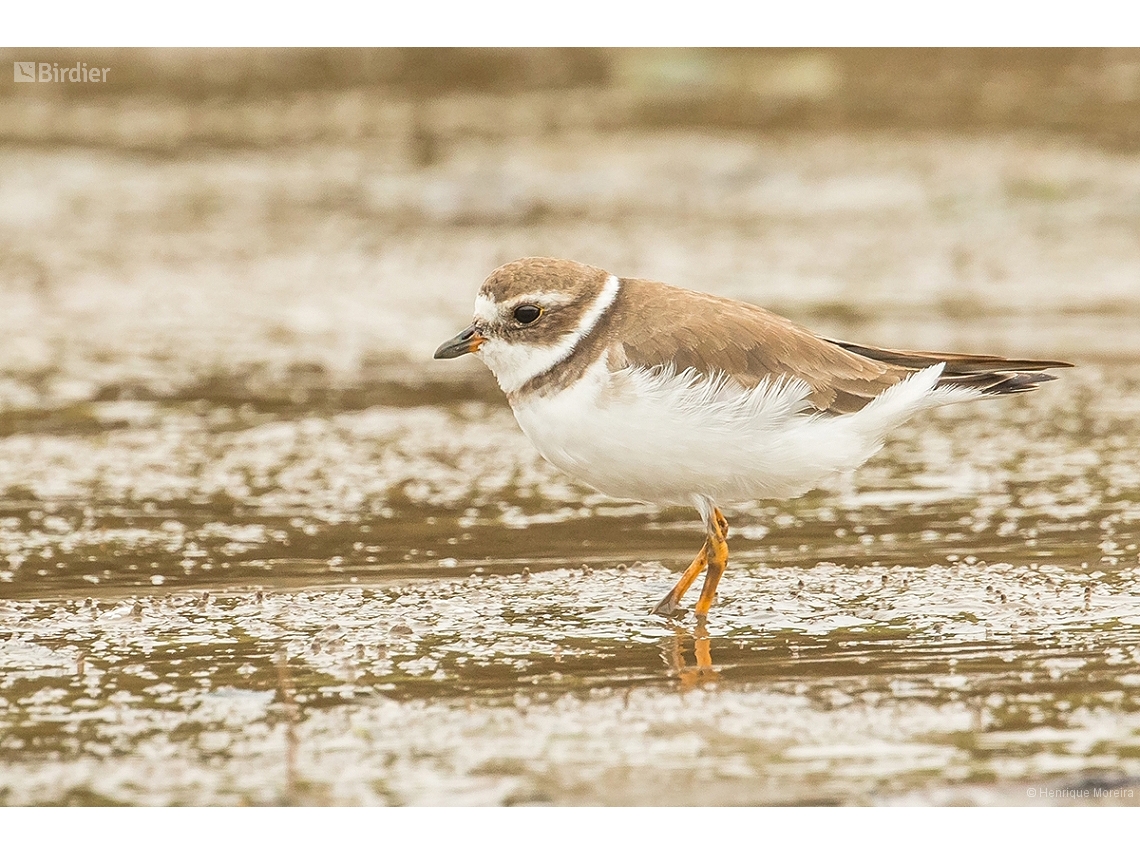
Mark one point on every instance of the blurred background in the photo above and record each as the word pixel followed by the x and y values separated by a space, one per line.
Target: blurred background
pixel 287 224
pixel 256 546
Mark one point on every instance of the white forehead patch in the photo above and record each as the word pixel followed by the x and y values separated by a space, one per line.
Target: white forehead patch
pixel 515 364
pixel 486 309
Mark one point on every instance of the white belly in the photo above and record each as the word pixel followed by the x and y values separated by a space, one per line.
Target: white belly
pixel 665 438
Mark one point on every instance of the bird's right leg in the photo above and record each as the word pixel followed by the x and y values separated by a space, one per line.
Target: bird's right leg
pixel 712 557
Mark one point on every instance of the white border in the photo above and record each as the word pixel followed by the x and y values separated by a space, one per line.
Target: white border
pixel 553 831
pixel 508 23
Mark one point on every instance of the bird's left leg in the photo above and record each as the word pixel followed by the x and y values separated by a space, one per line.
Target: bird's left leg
pixel 718 560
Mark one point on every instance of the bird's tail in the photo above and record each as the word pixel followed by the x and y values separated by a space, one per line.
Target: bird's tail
pixel 988 375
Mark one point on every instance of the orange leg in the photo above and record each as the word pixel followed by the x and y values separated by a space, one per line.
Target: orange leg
pixel 718 561
pixel 713 554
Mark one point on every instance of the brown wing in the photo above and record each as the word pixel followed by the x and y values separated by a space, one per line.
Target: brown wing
pixel 660 325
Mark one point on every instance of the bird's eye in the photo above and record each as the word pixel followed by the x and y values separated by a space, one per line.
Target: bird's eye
pixel 527 314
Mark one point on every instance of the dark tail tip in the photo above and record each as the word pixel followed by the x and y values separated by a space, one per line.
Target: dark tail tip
pixel 999 383
pixel 1024 382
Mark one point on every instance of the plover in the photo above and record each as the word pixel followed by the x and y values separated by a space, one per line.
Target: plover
pixel 658 394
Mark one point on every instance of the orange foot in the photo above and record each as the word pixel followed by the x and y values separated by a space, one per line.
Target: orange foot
pixel 713 557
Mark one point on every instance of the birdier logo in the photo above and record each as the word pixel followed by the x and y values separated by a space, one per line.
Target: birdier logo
pixel 51 72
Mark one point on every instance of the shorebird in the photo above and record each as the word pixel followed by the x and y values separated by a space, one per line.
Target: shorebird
pixel 649 392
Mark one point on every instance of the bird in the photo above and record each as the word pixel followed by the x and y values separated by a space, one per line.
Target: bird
pixel 658 394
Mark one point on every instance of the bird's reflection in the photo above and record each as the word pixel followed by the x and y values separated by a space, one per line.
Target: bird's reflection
pixel 673 654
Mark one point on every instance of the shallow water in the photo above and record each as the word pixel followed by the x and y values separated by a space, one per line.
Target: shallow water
pixel 256 548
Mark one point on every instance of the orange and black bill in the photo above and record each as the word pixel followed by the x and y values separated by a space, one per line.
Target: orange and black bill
pixel 467 341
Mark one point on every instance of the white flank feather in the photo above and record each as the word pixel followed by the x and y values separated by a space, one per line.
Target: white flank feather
pixel 662 436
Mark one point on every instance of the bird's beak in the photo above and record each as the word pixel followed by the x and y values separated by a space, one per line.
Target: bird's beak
pixel 467 341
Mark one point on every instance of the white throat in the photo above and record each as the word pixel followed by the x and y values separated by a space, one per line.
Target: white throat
pixel 513 364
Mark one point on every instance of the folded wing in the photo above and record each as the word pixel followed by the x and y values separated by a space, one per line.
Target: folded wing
pixel 747 344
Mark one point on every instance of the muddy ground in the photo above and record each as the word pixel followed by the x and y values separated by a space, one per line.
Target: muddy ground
pixel 256 548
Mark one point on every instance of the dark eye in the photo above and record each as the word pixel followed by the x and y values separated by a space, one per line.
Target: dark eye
pixel 527 314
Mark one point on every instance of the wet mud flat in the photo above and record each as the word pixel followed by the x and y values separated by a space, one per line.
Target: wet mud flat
pixel 256 549
pixel 959 624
